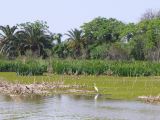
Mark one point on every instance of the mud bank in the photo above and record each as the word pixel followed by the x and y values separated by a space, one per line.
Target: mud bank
pixel 39 88
pixel 150 99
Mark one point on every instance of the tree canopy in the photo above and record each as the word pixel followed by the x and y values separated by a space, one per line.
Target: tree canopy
pixel 100 38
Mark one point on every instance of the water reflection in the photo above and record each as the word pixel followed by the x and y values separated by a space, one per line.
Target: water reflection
pixel 75 107
pixel 37 99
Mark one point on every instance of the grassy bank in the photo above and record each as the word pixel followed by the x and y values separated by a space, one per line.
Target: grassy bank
pixel 118 87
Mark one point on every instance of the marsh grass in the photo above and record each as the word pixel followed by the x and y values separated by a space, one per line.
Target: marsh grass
pixel 102 67
pixel 30 67
pixel 127 88
pixel 81 67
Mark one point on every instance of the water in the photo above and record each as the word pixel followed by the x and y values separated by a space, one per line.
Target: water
pixel 75 107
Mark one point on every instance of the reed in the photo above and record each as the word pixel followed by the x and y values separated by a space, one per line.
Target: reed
pixel 28 68
pixel 82 67
pixel 101 67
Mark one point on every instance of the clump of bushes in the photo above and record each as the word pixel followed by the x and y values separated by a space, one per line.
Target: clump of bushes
pixel 97 67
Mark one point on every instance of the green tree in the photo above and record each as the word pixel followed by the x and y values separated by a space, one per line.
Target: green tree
pixel 36 37
pixel 138 51
pixel 128 32
pixel 58 38
pixel 76 41
pixel 103 30
pixel 9 41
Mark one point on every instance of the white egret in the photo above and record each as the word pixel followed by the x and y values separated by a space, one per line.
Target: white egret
pixel 96 96
pixel 95 88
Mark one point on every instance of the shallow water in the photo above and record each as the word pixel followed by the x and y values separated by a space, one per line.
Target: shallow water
pixel 75 107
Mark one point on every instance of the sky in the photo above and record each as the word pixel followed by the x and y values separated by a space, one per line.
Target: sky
pixel 62 15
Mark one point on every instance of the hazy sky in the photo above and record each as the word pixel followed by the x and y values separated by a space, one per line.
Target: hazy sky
pixel 63 15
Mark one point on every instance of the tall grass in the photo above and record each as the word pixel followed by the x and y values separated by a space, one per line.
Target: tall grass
pixel 31 68
pixel 28 68
pixel 9 66
pixel 82 67
pixel 97 67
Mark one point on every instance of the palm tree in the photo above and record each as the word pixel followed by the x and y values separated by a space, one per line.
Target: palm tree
pixel 9 41
pixel 76 41
pixel 58 38
pixel 36 38
pixel 60 48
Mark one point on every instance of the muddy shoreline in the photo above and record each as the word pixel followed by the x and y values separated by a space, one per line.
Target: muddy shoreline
pixel 43 89
pixel 150 99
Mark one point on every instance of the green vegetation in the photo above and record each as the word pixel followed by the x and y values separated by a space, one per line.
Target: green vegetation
pixel 29 68
pixel 82 67
pixel 119 87
pixel 101 51
pixel 100 38
pixel 8 66
pixel 102 67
